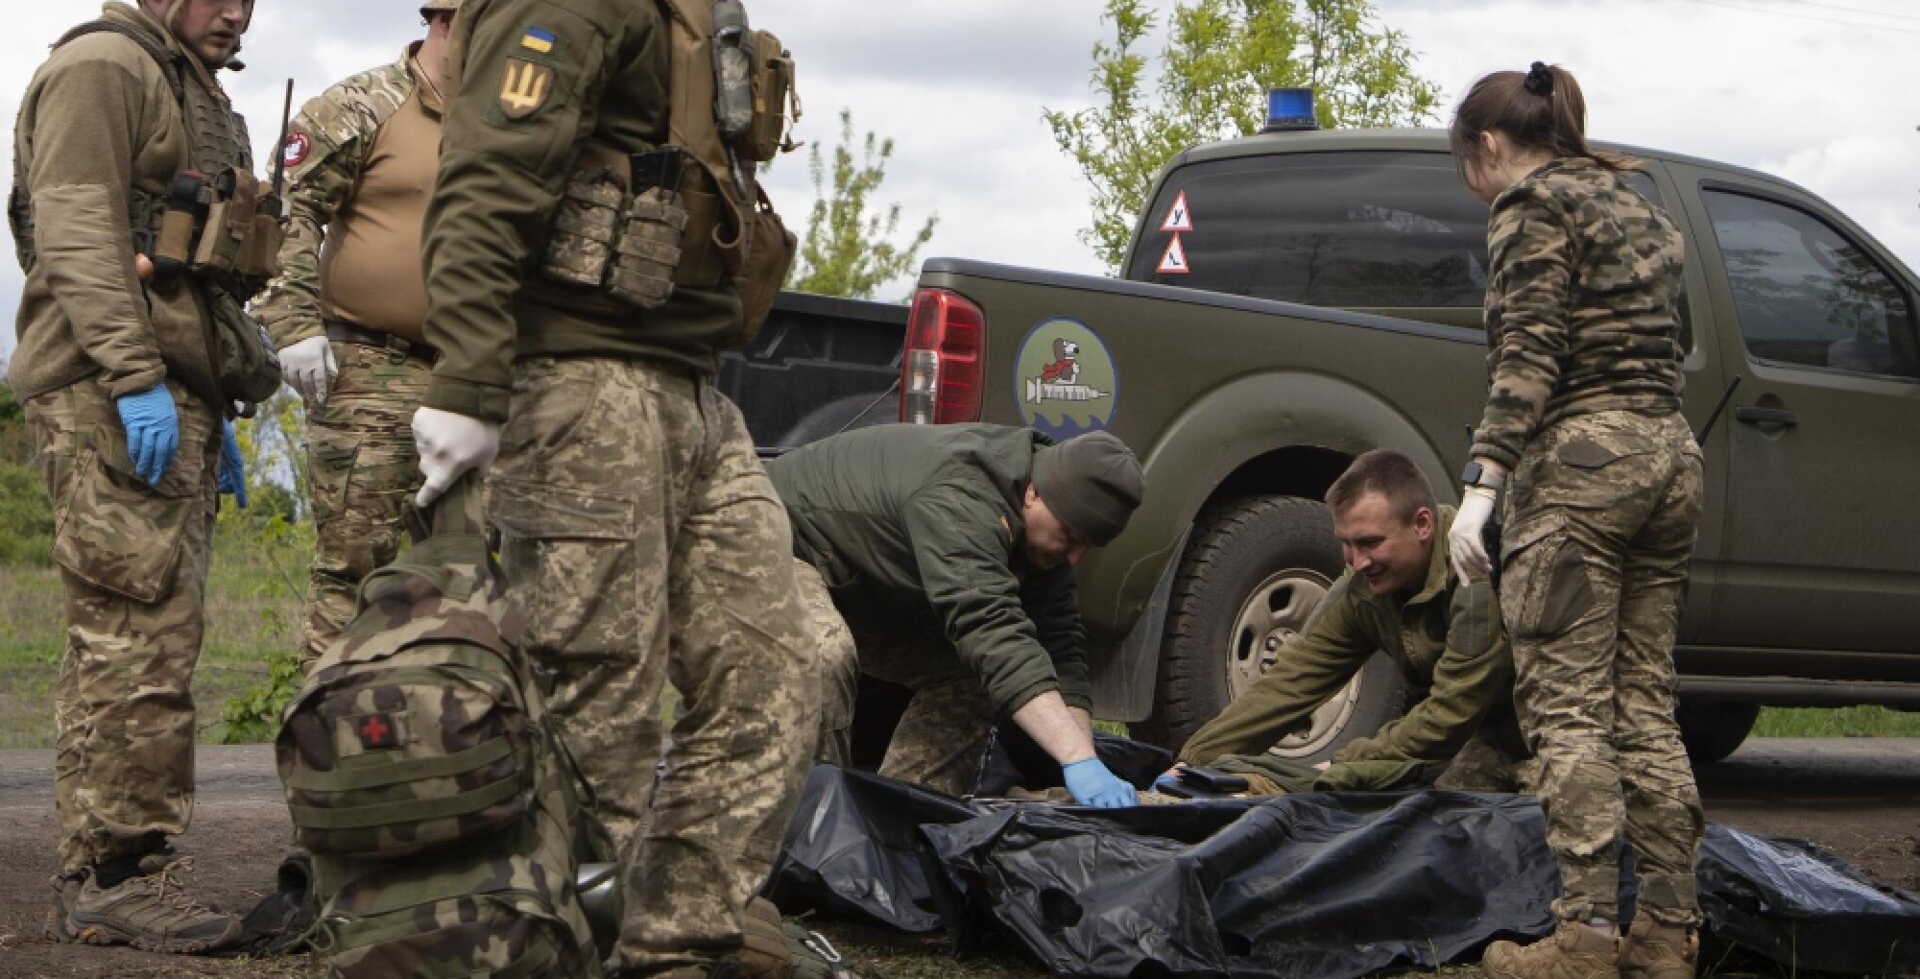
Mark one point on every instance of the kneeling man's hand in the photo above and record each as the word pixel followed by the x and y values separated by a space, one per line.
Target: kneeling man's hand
pixel 1092 784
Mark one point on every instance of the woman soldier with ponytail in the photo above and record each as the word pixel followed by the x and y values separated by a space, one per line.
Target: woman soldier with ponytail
pixel 1582 430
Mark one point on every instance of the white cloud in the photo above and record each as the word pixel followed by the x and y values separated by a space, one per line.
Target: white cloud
pixel 1824 104
pixel 959 87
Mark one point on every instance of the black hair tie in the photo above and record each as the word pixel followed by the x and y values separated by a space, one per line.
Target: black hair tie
pixel 1540 80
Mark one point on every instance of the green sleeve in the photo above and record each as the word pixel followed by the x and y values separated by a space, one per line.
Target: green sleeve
pixel 1052 600
pixel 86 130
pixel 1312 667
pixel 964 558
pixel 320 186
pixel 501 176
pixel 1530 253
pixel 1475 673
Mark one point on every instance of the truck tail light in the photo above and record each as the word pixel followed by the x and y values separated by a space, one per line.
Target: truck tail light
pixel 940 371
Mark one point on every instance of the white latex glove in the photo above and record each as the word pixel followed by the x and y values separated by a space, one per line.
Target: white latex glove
pixel 309 367
pixel 1466 548
pixel 450 445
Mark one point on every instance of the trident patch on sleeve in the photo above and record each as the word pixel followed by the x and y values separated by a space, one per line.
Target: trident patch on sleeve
pixel 525 88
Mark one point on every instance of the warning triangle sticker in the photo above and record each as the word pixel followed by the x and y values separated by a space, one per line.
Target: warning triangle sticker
pixel 1178 217
pixel 1174 262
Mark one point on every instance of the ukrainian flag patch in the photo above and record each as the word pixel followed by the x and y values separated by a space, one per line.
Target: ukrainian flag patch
pixel 538 41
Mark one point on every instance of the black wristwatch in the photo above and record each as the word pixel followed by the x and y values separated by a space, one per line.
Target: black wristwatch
pixel 1478 475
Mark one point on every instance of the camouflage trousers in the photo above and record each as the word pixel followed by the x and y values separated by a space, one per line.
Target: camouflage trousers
pixel 362 468
pixel 133 564
pixel 1600 527
pixel 643 544
pixel 943 733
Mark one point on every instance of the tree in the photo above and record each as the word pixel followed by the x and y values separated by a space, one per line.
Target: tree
pixel 847 251
pixel 1221 58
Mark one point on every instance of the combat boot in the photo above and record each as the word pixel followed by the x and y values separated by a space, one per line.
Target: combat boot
pixel 150 911
pixel 1656 951
pixel 1574 952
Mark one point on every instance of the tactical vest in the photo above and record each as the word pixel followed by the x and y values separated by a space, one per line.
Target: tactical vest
pixel 215 224
pixel 632 228
pixel 217 137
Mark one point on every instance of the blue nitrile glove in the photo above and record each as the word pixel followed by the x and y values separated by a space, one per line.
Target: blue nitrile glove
pixel 1093 785
pixel 233 468
pixel 153 431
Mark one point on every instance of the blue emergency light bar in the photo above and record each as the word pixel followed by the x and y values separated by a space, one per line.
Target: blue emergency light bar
pixel 1290 109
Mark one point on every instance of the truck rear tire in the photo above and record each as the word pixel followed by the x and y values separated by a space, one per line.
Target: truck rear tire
pixel 1252 573
pixel 1711 732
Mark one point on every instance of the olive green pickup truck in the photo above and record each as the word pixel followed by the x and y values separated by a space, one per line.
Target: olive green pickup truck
pixel 1292 299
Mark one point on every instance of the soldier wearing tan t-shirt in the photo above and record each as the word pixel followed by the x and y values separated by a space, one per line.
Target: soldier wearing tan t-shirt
pixel 348 307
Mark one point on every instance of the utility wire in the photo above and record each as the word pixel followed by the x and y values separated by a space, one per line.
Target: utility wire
pixel 1853 10
pixel 1812 17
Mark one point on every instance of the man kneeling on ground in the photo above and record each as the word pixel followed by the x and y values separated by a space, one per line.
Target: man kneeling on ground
pixel 940 559
pixel 1399 596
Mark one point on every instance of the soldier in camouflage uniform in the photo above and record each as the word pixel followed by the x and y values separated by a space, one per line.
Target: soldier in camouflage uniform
pixel 125 407
pixel 940 559
pixel 641 539
pixel 1603 484
pixel 348 309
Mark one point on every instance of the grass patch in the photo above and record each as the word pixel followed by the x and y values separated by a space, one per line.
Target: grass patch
pixel 1836 722
pixel 254 594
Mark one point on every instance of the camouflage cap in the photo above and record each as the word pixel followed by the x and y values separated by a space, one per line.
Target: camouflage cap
pixel 432 6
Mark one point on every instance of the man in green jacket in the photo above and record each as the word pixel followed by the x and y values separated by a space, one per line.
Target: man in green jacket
pixel 940 559
pixel 1399 596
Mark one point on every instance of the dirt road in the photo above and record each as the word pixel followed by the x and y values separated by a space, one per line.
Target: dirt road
pixel 1860 798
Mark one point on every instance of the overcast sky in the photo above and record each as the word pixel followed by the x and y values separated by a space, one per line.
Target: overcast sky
pixel 1821 92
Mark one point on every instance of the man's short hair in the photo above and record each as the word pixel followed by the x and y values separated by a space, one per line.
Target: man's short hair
pixel 1388 473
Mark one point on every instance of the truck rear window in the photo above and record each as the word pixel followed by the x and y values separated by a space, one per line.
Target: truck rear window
pixel 1367 229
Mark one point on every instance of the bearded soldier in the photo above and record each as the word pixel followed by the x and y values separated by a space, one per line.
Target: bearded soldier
pixel 133 351
pixel 939 559
pixel 348 307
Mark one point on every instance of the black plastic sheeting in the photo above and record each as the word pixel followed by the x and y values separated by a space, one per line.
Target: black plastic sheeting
pixel 1785 898
pixel 1322 885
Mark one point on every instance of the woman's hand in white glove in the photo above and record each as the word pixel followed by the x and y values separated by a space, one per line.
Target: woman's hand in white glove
pixel 1466 547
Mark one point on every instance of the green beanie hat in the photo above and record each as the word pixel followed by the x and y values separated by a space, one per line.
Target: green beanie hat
pixel 1092 483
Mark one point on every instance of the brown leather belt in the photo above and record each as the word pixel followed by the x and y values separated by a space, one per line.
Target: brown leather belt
pixel 340 331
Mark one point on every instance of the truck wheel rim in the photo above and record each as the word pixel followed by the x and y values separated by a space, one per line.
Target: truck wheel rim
pixel 1273 613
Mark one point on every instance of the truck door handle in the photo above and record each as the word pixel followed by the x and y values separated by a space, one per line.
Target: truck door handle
pixel 1766 416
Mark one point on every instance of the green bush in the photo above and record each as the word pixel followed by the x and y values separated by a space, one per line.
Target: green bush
pixel 253 716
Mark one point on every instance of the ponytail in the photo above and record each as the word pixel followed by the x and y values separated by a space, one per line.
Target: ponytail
pixel 1537 109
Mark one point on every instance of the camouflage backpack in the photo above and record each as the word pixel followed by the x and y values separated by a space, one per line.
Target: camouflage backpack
pixel 421 774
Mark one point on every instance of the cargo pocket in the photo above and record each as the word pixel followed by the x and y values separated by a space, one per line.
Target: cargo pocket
pixel 571 560
pixel 114 531
pixel 329 471
pixel 1591 473
pixel 1547 589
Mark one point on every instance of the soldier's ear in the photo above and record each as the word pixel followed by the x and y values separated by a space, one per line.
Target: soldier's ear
pixel 1423 524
